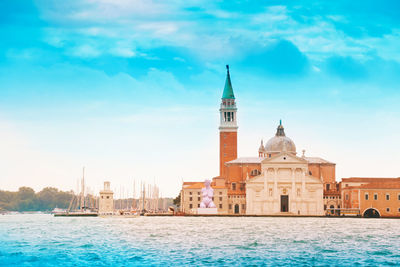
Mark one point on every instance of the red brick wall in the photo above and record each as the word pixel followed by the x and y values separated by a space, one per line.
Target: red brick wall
pixel 381 204
pixel 227 150
pixel 325 172
pixel 237 173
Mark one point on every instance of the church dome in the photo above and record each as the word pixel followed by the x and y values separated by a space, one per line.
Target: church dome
pixel 280 143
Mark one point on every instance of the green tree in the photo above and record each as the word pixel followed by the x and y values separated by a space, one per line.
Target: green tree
pixel 177 200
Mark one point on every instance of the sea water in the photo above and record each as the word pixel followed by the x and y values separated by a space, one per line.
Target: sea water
pixel 44 240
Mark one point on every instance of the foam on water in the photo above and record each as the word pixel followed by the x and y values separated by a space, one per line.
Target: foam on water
pixel 44 240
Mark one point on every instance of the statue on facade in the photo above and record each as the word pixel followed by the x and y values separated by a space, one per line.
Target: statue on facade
pixel 207 193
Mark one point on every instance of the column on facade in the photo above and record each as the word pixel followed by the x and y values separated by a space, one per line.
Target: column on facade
pixel 276 201
pixel 293 181
pixel 265 185
pixel 249 200
pixel 275 183
pixel 303 192
pixel 293 197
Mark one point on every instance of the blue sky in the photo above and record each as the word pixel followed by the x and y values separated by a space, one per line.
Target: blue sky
pixel 131 89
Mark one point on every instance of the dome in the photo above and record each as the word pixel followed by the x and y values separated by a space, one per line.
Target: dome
pixel 280 142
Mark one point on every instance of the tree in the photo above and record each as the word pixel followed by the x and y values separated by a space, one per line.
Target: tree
pixel 177 200
pixel 25 199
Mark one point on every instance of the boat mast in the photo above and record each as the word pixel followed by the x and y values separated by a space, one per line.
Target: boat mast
pixel 143 196
pixel 83 190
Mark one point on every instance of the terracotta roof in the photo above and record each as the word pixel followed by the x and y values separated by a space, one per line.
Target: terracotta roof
pixel 200 185
pixel 369 180
pixel 248 160
pixel 317 160
pixel 382 185
pixel 258 160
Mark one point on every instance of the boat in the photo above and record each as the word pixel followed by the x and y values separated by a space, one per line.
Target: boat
pixel 80 205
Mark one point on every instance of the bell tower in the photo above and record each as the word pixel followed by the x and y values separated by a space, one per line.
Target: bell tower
pixel 228 126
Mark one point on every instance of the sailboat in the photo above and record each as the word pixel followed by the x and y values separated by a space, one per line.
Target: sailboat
pixel 80 205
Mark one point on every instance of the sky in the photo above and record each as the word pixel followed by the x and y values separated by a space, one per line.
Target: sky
pixel 130 90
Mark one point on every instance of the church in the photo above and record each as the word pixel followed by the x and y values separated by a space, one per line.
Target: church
pixel 276 182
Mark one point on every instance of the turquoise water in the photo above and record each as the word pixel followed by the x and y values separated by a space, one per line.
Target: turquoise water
pixel 43 240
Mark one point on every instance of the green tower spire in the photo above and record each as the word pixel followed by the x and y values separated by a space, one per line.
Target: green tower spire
pixel 228 90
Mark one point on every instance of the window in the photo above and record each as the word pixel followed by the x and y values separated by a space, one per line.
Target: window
pixel 328 186
pixel 198 199
pixel 387 197
pixel 198 193
pixel 399 209
pixel 190 198
pixel 233 186
pixel 198 205
pixel 270 192
pixel 324 207
pixel 375 196
pixel 108 197
pixel 230 206
pixel 190 193
pixel 220 198
pixel 243 206
pixel 212 198
pixel 347 197
pixel 220 193
pixel 366 196
pixel 398 196
pixel 388 209
pixel 241 187
pixel 220 206
pixel 190 206
pixel 102 196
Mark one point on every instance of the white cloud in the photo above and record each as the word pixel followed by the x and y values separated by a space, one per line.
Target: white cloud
pixel 85 51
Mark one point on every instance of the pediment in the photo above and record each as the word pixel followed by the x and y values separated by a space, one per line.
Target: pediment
pixel 285 158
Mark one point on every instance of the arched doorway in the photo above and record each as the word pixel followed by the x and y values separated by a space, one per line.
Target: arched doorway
pixel 237 209
pixel 332 208
pixel 371 213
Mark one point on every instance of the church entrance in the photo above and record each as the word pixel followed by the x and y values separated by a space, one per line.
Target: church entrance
pixel 284 203
pixel 237 209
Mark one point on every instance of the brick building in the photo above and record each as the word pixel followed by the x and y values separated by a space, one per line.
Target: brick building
pixel 371 197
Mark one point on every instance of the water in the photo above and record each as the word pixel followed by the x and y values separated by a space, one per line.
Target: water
pixel 43 240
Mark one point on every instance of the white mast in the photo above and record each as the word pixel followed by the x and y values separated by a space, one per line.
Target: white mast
pixel 83 189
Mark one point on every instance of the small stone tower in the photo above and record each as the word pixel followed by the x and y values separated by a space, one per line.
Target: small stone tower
pixel 106 202
pixel 228 126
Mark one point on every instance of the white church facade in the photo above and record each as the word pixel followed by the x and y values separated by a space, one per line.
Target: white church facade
pixel 284 187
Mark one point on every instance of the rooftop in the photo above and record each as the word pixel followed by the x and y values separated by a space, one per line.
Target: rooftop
pixel 200 185
pixel 246 160
pixel 228 90
pixel 369 180
pixel 317 160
